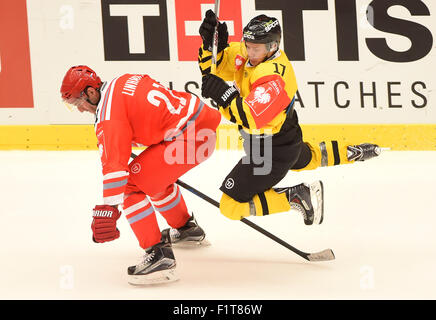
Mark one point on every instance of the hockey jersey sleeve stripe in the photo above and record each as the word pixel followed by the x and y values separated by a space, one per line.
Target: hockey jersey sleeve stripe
pixel 107 102
pixel 114 191
pixel 102 109
pixel 241 112
pixel 113 200
pixel 116 174
pixel 205 60
pixel 141 215
pixel 232 116
pixel 112 185
pixel 140 205
pixel 205 71
pixel 107 99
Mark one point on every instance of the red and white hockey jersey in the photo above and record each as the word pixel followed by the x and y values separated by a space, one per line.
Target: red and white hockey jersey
pixel 136 110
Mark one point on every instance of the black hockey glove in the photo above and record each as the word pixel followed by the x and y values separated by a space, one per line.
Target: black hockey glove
pixel 207 29
pixel 216 88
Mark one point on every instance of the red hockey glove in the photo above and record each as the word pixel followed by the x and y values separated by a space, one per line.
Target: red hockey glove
pixel 104 223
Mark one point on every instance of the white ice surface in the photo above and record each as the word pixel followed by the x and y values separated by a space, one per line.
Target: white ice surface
pixel 380 220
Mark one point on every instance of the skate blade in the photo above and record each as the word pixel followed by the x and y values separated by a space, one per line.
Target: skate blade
pixel 317 194
pixel 192 244
pixel 158 277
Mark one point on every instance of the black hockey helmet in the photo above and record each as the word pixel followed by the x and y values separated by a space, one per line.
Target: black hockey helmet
pixel 263 29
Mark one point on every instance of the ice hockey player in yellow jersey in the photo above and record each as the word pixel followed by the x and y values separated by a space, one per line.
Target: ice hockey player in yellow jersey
pixel 261 103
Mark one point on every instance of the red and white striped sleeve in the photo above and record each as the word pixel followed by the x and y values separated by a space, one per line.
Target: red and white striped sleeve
pixel 114 142
pixel 114 185
pixel 114 136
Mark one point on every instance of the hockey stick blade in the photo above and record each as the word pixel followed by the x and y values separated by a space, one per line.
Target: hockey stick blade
pixel 325 255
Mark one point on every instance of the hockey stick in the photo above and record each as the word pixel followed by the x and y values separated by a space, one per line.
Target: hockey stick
pixel 215 38
pixel 324 255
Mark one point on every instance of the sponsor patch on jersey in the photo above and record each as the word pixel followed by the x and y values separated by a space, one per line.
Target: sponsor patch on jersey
pixel 267 99
pixel 239 61
pixel 261 98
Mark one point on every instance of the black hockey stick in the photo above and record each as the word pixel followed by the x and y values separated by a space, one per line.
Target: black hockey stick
pixel 324 255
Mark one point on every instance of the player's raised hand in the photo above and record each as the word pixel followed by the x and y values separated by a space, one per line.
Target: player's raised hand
pixel 207 28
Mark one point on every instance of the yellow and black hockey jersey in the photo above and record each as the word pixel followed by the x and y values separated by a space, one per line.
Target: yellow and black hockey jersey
pixel 266 91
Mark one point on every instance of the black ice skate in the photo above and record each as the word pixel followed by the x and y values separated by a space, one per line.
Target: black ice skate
pixel 307 199
pixel 363 152
pixel 190 235
pixel 158 265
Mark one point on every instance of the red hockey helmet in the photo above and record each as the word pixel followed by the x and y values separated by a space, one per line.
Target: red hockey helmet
pixel 76 80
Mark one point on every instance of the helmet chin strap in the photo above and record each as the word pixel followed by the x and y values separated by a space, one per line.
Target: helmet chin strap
pixel 94 104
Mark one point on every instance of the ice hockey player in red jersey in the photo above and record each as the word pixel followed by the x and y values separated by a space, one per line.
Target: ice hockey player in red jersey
pixel 179 132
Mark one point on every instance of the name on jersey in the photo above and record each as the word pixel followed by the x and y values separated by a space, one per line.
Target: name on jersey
pixel 131 84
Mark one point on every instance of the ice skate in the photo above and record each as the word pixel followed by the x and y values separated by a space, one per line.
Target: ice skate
pixel 362 152
pixel 158 265
pixel 308 199
pixel 190 235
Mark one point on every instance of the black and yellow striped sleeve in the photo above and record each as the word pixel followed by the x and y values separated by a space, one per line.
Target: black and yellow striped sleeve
pixel 225 61
pixel 238 112
pixel 205 60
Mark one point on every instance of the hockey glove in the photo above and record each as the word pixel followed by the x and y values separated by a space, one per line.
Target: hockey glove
pixel 207 29
pixel 104 223
pixel 216 88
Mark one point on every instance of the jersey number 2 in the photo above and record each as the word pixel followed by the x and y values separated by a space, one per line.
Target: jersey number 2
pixel 163 95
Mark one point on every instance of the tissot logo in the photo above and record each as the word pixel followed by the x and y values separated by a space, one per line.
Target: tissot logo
pixel 138 29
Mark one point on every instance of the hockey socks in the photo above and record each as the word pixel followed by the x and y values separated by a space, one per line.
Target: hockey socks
pixel 142 219
pixel 326 153
pixel 268 202
pixel 171 205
